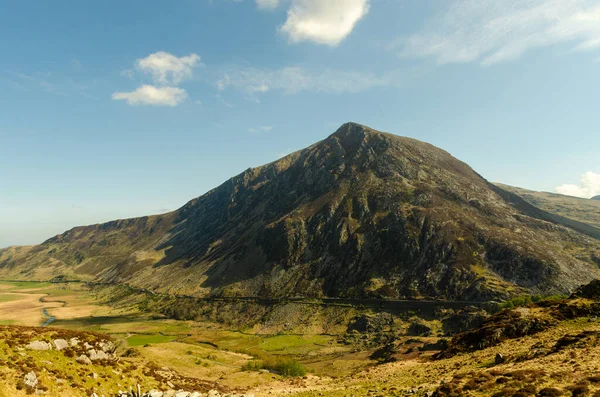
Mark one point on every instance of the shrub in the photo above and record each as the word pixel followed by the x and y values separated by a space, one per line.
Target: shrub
pixel 285 367
pixel 579 390
pixel 549 392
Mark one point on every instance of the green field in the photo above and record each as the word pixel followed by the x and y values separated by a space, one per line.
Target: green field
pixel 8 298
pixel 19 285
pixel 141 340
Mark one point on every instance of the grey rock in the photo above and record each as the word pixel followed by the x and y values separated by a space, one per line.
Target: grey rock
pixel 96 355
pixel 83 359
pixel 60 344
pixel 31 379
pixel 39 345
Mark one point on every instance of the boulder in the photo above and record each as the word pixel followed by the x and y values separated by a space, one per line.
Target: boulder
pixel 182 394
pixel 417 328
pixel 440 345
pixel 214 393
pixel 96 355
pixel 463 320
pixel 377 323
pixel 500 359
pixel 60 344
pixel 31 380
pixel 106 346
pixel 39 345
pixel 83 359
pixel 74 341
pixel 155 393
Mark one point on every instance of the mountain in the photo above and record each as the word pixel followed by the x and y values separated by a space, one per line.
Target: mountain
pixel 361 214
pixel 575 208
pixel 596 198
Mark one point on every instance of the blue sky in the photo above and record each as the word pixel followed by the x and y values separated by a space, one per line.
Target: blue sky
pixel 114 109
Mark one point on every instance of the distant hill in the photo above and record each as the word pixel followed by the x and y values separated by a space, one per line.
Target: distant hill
pixel 596 198
pixel 579 209
pixel 361 214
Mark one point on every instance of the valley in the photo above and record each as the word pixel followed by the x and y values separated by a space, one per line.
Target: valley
pixel 391 359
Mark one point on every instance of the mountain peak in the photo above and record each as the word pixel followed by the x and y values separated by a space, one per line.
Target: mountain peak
pixel 352 136
pixel 351 131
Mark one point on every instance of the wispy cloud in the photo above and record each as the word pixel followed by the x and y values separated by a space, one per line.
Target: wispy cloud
pixel 264 128
pixel 52 84
pixel 590 186
pixel 151 95
pixel 492 31
pixel 295 79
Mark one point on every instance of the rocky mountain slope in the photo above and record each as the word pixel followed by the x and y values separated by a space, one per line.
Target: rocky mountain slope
pixel 596 198
pixel 360 214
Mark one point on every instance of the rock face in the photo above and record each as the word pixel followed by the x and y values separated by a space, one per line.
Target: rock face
pixel 361 214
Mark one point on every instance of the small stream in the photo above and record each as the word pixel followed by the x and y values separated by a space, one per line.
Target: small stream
pixel 50 318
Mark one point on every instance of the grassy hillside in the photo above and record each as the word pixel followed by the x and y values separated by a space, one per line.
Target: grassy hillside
pixel 579 209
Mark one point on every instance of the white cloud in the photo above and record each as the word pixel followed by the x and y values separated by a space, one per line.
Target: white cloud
pixel 492 31
pixel 324 22
pixel 167 71
pixel 295 79
pixel 264 128
pixel 166 68
pixel 267 4
pixel 151 95
pixel 590 186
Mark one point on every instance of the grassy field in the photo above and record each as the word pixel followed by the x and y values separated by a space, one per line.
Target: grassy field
pixel 141 340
